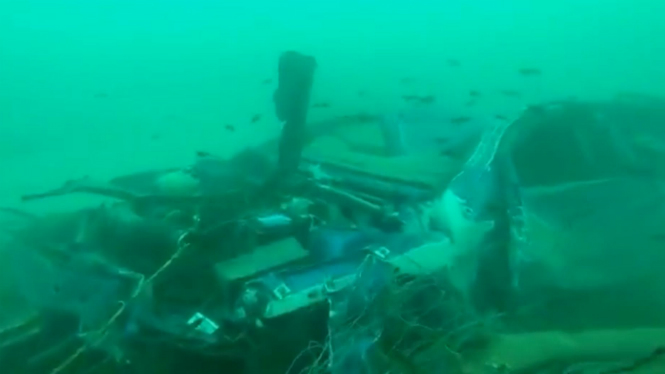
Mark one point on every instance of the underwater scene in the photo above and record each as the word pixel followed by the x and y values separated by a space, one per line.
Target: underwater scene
pixel 332 187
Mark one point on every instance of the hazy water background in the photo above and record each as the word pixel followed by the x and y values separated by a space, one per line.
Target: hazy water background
pixel 104 87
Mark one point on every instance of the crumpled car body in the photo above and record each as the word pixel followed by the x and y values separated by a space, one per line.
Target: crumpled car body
pixel 581 184
pixel 594 191
pixel 520 220
pixel 356 204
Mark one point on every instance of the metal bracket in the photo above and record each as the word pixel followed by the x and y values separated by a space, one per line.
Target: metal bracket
pixel 281 291
pixel 381 252
pixel 203 324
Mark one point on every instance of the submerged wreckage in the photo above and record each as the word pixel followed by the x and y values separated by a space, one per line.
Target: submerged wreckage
pixel 331 258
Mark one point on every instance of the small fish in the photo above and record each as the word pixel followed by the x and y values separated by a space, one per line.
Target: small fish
pixel 321 105
pixel 365 117
pixel 460 120
pixel 470 103
pixel 511 93
pixel 500 117
pixel 266 81
pixel 230 128
pixel 361 93
pixel 657 237
pixel 446 152
pixel 429 99
pixel 155 136
pixel 407 80
pixel 101 95
pixel 203 154
pixel 536 108
pixel 453 63
pixel 474 93
pixel 256 118
pixel 530 72
pixel 361 118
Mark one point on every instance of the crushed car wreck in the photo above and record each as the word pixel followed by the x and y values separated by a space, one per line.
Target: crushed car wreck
pixel 307 255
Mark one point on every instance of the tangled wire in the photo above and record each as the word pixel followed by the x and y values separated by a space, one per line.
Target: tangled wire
pixel 392 322
pixel 96 338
